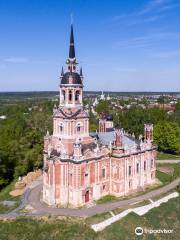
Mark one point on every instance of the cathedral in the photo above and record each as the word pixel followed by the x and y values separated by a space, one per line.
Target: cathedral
pixel 81 167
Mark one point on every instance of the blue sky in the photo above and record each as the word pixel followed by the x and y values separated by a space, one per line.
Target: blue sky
pixel 122 45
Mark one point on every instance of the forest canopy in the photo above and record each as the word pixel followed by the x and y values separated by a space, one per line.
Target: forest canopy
pixel 21 138
pixel 21 134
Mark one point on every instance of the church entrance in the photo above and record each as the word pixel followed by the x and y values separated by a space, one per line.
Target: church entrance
pixel 87 196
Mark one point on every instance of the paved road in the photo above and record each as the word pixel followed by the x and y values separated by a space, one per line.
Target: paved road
pixel 168 161
pixel 42 208
pixel 32 197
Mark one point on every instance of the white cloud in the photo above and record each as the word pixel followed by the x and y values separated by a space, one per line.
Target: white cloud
pixel 147 40
pixel 169 7
pixel 26 60
pixel 16 60
pixel 145 20
pixel 145 14
pixel 152 5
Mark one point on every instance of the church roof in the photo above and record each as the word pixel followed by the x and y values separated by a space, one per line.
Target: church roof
pixel 71 78
pixel 108 137
pixel 107 117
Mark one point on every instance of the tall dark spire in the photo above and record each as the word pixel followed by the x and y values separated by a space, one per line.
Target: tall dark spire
pixel 62 71
pixel 81 73
pixel 71 47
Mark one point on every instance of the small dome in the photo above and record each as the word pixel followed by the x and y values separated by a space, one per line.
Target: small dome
pixel 109 117
pixel 71 78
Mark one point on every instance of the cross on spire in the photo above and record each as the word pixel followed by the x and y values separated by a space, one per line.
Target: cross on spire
pixel 71 18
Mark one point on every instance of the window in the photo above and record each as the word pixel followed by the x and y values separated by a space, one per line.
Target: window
pixel 77 95
pixel 61 128
pixel 104 187
pixel 130 184
pixel 70 95
pixel 152 163
pixel 130 168
pixel 137 168
pixel 78 128
pixel 144 165
pixel 64 95
pixel 103 172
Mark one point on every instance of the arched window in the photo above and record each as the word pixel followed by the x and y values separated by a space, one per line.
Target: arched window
pixel 70 95
pixel 64 95
pixel 137 168
pixel 61 128
pixel 130 170
pixel 78 128
pixel 144 165
pixel 152 163
pixel 103 172
pixel 77 95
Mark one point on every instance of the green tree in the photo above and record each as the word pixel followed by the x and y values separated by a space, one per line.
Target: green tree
pixel 103 106
pixel 167 136
pixel 177 112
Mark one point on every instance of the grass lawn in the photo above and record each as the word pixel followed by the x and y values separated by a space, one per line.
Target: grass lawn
pixel 176 170
pixel 166 178
pixel 167 216
pixel 5 209
pixel 163 177
pixel 4 195
pixel 108 198
pixel 166 156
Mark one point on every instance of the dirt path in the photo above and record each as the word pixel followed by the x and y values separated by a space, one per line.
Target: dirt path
pixel 173 161
pixel 32 197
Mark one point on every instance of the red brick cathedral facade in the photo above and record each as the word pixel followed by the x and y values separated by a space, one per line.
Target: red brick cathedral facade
pixel 79 168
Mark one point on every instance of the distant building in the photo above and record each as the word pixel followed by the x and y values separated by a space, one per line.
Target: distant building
pixel 3 117
pixel 79 168
pixel 108 97
pixel 106 123
pixel 102 97
pixel 167 106
pixel 96 102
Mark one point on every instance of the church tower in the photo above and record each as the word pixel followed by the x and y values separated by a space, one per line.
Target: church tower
pixel 70 120
pixel 71 85
pixel 64 148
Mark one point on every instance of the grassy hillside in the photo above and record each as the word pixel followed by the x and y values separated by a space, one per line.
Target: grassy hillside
pixel 166 216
